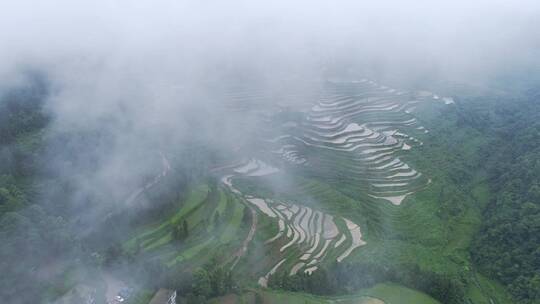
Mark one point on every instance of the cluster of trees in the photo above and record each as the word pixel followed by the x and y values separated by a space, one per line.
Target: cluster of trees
pixel 193 285
pixel 349 277
pixel 196 287
pixel 181 232
pixel 508 245
pixel 212 280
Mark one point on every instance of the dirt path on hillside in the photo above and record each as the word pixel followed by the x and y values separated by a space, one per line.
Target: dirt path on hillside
pixel 242 251
pixel 166 168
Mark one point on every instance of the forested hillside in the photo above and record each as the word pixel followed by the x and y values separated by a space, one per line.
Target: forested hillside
pixel 31 230
pixel 28 233
pixel 508 245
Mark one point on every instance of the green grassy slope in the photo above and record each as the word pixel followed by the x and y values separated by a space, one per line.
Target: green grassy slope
pixel 385 293
pixel 207 234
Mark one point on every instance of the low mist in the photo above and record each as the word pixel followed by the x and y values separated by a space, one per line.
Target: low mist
pixel 129 83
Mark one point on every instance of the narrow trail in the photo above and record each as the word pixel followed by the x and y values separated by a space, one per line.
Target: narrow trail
pixel 226 180
pixel 166 168
pixel 242 251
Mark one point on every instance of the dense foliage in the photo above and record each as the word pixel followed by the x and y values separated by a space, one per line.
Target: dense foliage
pixel 21 110
pixel 21 120
pixel 342 278
pixel 508 245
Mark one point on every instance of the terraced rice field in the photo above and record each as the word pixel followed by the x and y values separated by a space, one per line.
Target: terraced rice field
pixel 314 232
pixel 357 132
pixel 354 137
